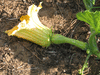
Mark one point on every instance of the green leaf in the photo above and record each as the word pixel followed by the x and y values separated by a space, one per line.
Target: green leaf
pixel 89 4
pixel 93 1
pixel 92 18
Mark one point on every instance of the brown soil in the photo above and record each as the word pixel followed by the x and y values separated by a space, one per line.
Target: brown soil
pixel 22 57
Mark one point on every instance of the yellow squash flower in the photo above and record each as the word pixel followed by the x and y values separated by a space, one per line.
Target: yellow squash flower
pixel 30 28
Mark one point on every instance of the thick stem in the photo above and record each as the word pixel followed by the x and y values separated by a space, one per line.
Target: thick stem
pixel 92 41
pixel 93 45
pixel 59 39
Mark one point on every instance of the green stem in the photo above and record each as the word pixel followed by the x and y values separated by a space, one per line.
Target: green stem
pixel 59 39
pixel 81 71
pixel 92 41
pixel 93 45
pixel 95 7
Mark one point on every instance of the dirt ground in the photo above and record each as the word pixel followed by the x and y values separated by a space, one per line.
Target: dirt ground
pixel 22 57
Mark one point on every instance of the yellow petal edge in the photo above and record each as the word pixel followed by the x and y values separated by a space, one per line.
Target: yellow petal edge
pixel 30 28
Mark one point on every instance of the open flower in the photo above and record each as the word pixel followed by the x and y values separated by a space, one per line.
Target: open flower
pixel 30 28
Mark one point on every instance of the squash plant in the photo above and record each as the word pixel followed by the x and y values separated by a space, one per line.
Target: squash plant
pixel 30 28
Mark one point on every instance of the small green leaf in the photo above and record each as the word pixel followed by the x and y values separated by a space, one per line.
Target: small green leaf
pixel 92 18
pixel 93 1
pixel 89 4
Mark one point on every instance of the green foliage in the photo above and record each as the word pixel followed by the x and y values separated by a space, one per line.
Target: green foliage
pixel 89 4
pixel 92 18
